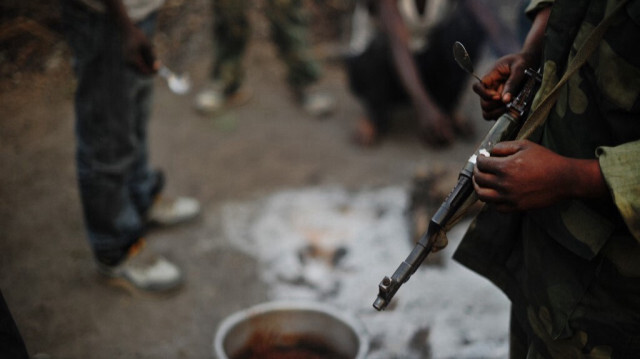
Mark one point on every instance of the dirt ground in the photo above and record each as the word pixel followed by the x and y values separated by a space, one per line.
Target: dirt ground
pixel 46 269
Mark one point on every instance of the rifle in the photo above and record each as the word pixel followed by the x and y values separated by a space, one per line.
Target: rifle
pixel 451 210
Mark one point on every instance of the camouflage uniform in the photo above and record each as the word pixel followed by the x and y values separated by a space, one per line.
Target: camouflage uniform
pixel 289 26
pixel 572 270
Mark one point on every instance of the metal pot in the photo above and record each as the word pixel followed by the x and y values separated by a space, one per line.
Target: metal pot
pixel 340 331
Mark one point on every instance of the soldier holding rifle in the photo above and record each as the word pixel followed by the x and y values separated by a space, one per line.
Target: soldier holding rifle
pixel 561 232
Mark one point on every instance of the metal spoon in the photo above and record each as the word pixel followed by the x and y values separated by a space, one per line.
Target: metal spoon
pixel 177 84
pixel 463 59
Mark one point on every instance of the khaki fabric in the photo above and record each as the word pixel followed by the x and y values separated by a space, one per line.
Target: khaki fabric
pixel 289 25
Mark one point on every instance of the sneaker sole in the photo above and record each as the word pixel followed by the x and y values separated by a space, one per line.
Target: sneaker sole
pixel 241 97
pixel 135 292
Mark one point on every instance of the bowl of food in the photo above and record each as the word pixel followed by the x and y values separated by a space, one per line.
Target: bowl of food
pixel 283 330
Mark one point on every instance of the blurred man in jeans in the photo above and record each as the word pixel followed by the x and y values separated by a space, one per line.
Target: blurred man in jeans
pixel 114 62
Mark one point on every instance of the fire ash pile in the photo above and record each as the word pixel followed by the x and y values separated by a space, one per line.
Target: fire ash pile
pixel 334 246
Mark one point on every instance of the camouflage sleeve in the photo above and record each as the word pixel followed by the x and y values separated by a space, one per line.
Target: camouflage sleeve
pixel 537 5
pixel 621 170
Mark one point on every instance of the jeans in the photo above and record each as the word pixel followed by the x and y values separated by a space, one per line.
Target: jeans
pixel 112 107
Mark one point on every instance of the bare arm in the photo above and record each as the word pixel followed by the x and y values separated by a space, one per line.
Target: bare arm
pixel 522 175
pixel 398 36
pixel 436 125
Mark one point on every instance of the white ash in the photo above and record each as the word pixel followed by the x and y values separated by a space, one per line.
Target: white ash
pixel 334 246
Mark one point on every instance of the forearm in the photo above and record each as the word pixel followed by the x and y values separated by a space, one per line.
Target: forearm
pixel 410 76
pixel 583 179
pixel 402 57
pixel 533 44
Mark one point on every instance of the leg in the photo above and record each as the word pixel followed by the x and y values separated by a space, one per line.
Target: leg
pixel 372 78
pixel 231 32
pixel 289 30
pixel 116 185
pixel 112 105
pixel 144 183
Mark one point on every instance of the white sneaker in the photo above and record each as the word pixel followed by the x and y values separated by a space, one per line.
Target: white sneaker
pixel 213 100
pixel 170 211
pixel 318 104
pixel 144 270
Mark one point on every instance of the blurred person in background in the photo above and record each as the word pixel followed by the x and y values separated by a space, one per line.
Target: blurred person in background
pixel 114 62
pixel 289 32
pixel 401 52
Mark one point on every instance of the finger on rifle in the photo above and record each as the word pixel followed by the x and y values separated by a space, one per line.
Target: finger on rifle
pixel 495 197
pixel 482 91
pixel 512 84
pixel 488 93
pixel 485 192
pixel 484 179
pixel 507 148
pixel 489 165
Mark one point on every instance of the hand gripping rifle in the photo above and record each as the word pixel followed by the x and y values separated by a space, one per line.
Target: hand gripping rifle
pixel 462 195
